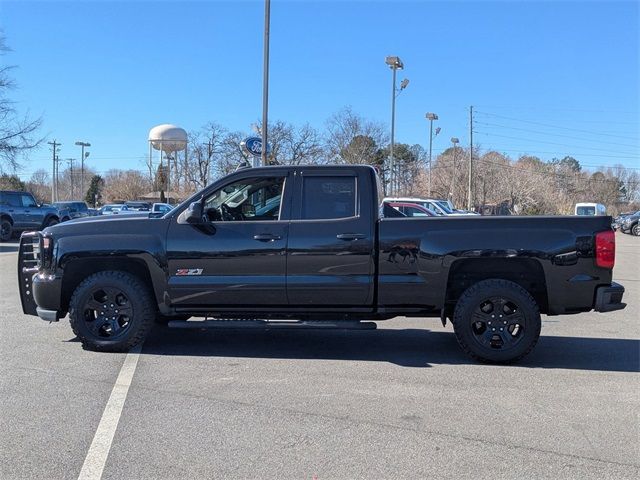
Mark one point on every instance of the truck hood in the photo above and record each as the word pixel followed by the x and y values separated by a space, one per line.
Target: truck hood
pixel 109 225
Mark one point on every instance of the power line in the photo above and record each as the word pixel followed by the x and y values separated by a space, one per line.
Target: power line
pixel 555 134
pixel 549 143
pixel 554 126
pixel 560 109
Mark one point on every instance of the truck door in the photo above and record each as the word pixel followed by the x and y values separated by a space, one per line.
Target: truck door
pixel 331 240
pixel 14 207
pixel 33 217
pixel 238 257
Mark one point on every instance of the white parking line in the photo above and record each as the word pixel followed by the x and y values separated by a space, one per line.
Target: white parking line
pixel 99 450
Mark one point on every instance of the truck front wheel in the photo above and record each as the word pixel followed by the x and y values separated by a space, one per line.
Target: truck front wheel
pixel 496 321
pixel 111 311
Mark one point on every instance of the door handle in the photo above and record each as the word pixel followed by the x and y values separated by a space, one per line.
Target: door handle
pixel 266 237
pixel 351 236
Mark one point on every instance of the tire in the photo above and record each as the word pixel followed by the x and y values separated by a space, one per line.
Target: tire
pixel 635 230
pixel 51 222
pixel 111 311
pixel 6 230
pixel 517 315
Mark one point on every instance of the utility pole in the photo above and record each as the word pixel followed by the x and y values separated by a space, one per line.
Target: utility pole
pixel 265 83
pixel 53 176
pixel 469 195
pixel 431 117
pixel 82 144
pixel 70 162
pixel 57 179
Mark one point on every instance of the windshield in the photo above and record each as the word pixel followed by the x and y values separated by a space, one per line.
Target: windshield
pixel 444 206
pixel 586 211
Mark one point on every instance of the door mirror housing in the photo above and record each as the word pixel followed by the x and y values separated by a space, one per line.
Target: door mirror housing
pixel 192 215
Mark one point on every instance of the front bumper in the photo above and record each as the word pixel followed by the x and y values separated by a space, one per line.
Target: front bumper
pixel 40 292
pixel 609 298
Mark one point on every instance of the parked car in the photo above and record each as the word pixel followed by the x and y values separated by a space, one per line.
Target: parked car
pixel 630 225
pixel 76 209
pixel 322 257
pixel 412 209
pixel 587 208
pixel 161 208
pixel 112 208
pixel 138 206
pixel 440 207
pixel 19 211
pixel 617 221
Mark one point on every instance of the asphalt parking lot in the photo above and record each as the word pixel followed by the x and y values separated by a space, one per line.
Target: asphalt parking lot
pixel 402 401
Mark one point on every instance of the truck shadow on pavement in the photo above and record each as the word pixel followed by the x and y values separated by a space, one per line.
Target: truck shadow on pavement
pixel 416 348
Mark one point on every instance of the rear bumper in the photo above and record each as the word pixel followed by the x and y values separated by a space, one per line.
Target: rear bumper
pixel 609 298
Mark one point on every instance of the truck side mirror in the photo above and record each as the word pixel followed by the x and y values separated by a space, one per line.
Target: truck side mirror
pixel 192 215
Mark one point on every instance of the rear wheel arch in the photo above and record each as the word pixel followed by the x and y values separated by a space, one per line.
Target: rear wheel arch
pixel 526 272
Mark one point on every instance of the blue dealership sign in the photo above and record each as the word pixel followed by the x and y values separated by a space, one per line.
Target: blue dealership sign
pixel 253 146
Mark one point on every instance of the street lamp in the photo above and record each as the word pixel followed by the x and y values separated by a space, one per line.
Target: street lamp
pixel 82 157
pixel 431 117
pixel 454 142
pixel 394 64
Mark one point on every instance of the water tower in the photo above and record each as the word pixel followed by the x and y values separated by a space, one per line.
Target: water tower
pixel 167 138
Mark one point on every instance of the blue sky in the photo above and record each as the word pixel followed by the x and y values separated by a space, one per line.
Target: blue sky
pixel 547 78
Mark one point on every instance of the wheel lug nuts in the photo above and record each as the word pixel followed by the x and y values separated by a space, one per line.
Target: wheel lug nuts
pixel 501 329
pixel 489 323
pixel 505 322
pixel 493 329
pixel 104 306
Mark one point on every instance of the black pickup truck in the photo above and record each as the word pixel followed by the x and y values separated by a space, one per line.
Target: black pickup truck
pixel 310 246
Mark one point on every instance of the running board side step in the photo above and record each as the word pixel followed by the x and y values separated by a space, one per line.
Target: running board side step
pixel 274 324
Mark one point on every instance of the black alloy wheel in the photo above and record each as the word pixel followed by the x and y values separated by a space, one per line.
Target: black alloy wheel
pixel 107 312
pixel 497 321
pixel 111 311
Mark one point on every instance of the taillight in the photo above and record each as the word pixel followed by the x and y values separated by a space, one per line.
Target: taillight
pixel 605 249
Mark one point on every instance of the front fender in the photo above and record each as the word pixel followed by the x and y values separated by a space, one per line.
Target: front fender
pixel 115 251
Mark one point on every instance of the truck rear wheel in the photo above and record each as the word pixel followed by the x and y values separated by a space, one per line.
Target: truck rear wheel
pixel 111 311
pixel 496 321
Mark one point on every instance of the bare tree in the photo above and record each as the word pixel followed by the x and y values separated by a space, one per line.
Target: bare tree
pixel 17 132
pixel 122 185
pixel 40 185
pixel 345 126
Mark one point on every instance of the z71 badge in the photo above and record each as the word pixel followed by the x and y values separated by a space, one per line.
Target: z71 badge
pixel 188 271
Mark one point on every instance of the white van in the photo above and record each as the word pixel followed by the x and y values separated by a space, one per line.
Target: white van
pixel 590 209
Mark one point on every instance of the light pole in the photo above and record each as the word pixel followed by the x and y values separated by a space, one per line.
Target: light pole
pixel 265 81
pixel 82 157
pixel 431 117
pixel 454 142
pixel 394 64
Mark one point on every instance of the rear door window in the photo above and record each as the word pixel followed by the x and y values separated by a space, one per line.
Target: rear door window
pixel 328 197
